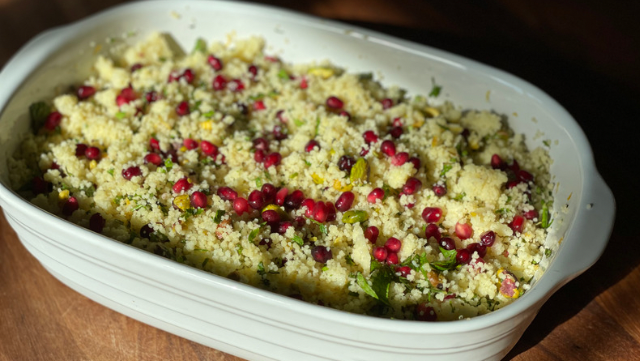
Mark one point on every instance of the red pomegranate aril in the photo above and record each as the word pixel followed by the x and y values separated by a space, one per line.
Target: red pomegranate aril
pixel 311 145
pixel 294 200
pixel 183 108
pixel 512 184
pixel 346 163
pixel 281 195
pixel 198 200
pixel 370 137
pixel 345 201
pixel 392 258
pixel 386 103
pixel 439 189
pixel 208 148
pixel 334 102
pixel 487 238
pixel 279 133
pixel 271 216
pixel 320 212
pixel 96 223
pixel 463 230
pixel 182 184
pixel 426 313
pixel 463 256
pixel 371 234
pixel 524 176
pixel 496 162
pixel 151 96
pixel 477 247
pixel 125 97
pixel 269 191
pixel 190 144
pixel 376 194
pixel 303 83
pixel 40 186
pixel 397 122
pixel 309 204
pixel 256 199
pixel 53 120
pixel 92 153
pixel 259 105
pixel 188 75
pixel 154 144
pixel 432 214
pixel 345 114
pixel 393 245
pixel 400 159
pixel 253 70
pixel 259 156
pixel 387 147
pixel 273 159
pixel 153 158
pixel 364 151
pixel 227 193
pixel 404 271
pixel 515 167
pixel 517 224
pixel 432 230
pixel 532 214
pixel 70 206
pixel 331 211
pixel 219 83
pixel 396 132
pixel 380 254
pixel 261 143
pixel 240 205
pixel 447 243
pixel 265 242
pixel 321 254
pixel 84 92
pixel 282 227
pixel 80 149
pixel 416 162
pixel 214 62
pixel 236 85
pixel 411 186
pixel 146 231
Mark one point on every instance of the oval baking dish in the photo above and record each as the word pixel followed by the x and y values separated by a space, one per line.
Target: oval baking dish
pixel 254 323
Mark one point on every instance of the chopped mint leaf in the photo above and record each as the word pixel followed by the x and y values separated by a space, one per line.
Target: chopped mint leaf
pixel 39 112
pixel 200 46
pixel 547 143
pixel 219 215
pixel 322 227
pixel 254 234
pixel 168 164
pixel 435 89
pixel 349 260
pixel 459 197
pixel 293 175
pixel 261 270
pixel 448 263
pixel 267 175
pixel 299 122
pixel 546 220
pixel 209 114
pixel 282 74
pixel 362 282
pixel 111 171
pixel 298 240
pixel 325 268
pixel 445 168
pixel 121 115
pixel 259 182
pixel 548 252
pixel 317 125
pixel 239 249
pixel 204 263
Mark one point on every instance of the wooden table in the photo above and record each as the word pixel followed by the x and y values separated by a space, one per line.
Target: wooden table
pixel 583 53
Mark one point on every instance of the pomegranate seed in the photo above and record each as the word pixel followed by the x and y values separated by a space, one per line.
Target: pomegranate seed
pixel 280 116
pixel 153 158
pixel 272 159
pixel 439 189
pixel 54 165
pixel 236 85
pixel 53 120
pixel 387 147
pixel 40 186
pixel 411 186
pixel 294 200
pixel 515 167
pixel 334 102
pixel 364 152
pixel 346 163
pixel 397 122
pixel 393 245
pixel 321 254
pixel 432 214
pixel 265 242
pixel 92 153
pixel 396 132
pixel 487 238
pixel 154 144
pixel 345 114
pixel 463 230
pixel 404 271
pixel 126 96
pixel 190 144
pixel 259 105
pixel 532 214
pixel 269 192
pixel 426 313
pixel 463 256
pixel 214 62
pixel 219 83
pixel 386 103
pixel 80 149
pixel 173 76
pixel 146 231
pixel 371 234
pixel 370 137
pixel 303 83
pixel 70 206
pixel 259 156
pixel 380 254
pixel 447 243
pixel 311 145
pixel 253 70
pixel 416 162
pixel 331 211
pixel 182 184
pixel 183 108
pixel 261 143
pixel 309 204
pixel 432 230
pixel 279 133
pixel 400 159
pixel 320 212
pixel 496 162
pixel 240 205
pixel 198 200
pixel 84 92
pixel 517 224
pixel 188 76
pixel 208 148
pixel 227 193
pixel 392 258
pixel 151 96
pixel 345 201
pixel 283 226
pixel 477 247
pixel 271 216
pixel 524 176
pixel 256 199
pixel 376 194
pixel 281 196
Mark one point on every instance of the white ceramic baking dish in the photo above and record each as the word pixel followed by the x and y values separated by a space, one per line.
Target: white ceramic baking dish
pixel 250 322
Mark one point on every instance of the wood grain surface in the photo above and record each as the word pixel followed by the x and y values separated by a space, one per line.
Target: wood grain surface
pixel 586 54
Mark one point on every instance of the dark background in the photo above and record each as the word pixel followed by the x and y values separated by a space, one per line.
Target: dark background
pixel 585 54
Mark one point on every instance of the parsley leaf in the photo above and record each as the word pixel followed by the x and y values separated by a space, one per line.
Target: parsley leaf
pixel 298 240
pixel 219 215
pixel 546 216
pixel 299 122
pixel 445 168
pixel 168 164
pixel 282 74
pixel 200 46
pixel 435 89
pixel 258 182
pixel 448 263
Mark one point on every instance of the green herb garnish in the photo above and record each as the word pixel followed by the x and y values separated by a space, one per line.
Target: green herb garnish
pixel 218 218
pixel 168 164
pixel 121 115
pixel 546 220
pixel 448 263
pixel 282 74
pixel 435 89
pixel 200 46
pixel 39 112
pixel 445 168
pixel 298 240
pixel 298 122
